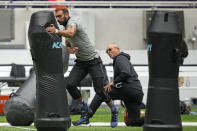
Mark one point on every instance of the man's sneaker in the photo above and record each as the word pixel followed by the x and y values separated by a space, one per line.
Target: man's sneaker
pixel 85 115
pixel 114 119
pixel 83 120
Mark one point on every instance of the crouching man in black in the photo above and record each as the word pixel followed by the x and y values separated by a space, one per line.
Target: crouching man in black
pixel 125 86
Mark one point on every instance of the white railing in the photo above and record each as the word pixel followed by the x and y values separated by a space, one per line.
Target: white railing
pixel 188 90
pixel 110 4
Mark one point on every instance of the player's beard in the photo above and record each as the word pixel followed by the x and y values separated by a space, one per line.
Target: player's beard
pixel 64 22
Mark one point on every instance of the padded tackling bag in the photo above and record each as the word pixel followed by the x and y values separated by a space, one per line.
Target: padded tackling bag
pixel 19 109
pixel 51 99
pixel 65 58
pixel 164 41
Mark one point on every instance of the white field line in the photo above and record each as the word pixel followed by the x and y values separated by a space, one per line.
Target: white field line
pixel 99 124
pixel 123 124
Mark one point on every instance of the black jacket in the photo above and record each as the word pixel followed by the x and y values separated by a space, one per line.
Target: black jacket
pixel 124 72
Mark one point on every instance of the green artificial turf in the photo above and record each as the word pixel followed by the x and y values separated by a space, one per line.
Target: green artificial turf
pixel 103 115
pixel 79 128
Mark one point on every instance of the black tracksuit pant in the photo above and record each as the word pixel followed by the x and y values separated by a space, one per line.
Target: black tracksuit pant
pixel 132 99
pixel 80 70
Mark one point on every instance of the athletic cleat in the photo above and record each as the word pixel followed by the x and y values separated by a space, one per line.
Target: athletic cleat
pixel 85 115
pixel 81 121
pixel 84 120
pixel 114 119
